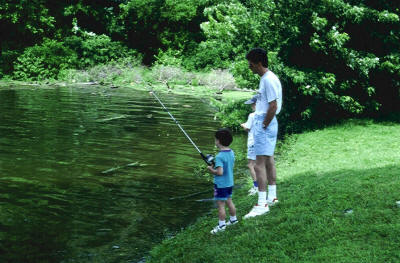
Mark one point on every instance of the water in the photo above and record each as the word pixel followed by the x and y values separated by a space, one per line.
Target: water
pixel 67 193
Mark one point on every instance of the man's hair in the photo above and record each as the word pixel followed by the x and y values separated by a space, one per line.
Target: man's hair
pixel 224 136
pixel 258 55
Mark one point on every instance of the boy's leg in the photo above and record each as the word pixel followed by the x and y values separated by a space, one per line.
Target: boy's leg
pixel 221 216
pixel 251 164
pixel 231 207
pixel 221 210
pixel 232 212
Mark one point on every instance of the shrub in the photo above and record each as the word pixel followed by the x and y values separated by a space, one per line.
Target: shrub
pixel 95 49
pixel 6 62
pixel 232 114
pixel 44 61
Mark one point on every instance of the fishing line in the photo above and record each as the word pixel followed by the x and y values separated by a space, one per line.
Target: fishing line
pixel 208 159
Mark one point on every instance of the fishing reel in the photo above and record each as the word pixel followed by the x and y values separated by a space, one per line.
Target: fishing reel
pixel 209 159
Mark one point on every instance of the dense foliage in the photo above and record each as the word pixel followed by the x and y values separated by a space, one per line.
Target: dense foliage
pixel 336 58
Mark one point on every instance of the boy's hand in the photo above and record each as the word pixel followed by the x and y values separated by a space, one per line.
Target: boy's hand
pixel 218 171
pixel 244 127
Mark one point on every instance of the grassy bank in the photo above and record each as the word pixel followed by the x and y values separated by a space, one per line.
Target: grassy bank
pixel 337 188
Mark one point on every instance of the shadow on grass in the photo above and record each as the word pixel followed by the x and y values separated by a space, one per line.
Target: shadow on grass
pixel 342 216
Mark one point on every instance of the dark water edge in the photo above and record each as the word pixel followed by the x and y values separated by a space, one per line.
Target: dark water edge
pixel 57 205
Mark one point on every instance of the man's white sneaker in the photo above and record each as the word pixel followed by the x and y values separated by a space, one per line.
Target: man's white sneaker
pixel 257 211
pixel 218 229
pixel 273 202
pixel 253 191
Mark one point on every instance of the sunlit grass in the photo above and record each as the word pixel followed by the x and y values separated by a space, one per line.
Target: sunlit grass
pixel 338 189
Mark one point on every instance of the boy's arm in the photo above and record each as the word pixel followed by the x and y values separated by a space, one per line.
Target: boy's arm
pixel 218 171
pixel 243 125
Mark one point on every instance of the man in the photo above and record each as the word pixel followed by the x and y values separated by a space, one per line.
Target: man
pixel 269 104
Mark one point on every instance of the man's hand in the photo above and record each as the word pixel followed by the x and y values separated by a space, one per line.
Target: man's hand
pixel 273 106
pixel 265 124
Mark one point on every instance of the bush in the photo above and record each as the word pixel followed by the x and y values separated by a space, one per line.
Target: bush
pixel 88 50
pixel 95 49
pixel 44 61
pixel 169 57
pixel 6 62
pixel 232 114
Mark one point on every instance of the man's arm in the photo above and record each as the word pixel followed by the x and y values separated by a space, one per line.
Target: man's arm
pixel 273 106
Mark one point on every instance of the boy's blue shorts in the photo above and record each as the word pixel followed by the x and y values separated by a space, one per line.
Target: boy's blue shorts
pixel 222 193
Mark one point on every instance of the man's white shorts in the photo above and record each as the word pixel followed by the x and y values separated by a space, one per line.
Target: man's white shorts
pixel 265 139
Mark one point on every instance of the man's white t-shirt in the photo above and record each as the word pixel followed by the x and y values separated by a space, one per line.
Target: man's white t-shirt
pixel 249 125
pixel 270 89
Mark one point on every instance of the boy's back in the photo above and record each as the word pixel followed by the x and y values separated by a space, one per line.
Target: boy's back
pixel 226 160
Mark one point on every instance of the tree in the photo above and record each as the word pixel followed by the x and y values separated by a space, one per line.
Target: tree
pixel 341 57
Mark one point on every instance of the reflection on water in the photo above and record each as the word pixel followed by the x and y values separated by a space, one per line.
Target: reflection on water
pixel 93 174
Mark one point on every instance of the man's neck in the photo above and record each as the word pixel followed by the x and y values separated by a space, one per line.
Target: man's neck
pixel 262 71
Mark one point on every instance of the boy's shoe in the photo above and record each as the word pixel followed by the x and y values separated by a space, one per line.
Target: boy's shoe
pixel 257 211
pixel 253 191
pixel 218 229
pixel 273 202
pixel 229 223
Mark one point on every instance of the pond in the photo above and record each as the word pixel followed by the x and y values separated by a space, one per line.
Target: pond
pixel 94 174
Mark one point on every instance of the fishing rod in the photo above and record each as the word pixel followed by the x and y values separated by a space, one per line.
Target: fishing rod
pixel 209 159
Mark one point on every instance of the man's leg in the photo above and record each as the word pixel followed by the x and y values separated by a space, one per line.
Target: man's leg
pixel 261 173
pixel 271 178
pixel 271 170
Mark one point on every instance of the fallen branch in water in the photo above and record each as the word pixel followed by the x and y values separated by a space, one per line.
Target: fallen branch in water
pixel 113 118
pixel 135 164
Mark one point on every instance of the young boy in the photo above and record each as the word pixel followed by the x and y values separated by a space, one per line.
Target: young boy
pixel 251 155
pixel 223 179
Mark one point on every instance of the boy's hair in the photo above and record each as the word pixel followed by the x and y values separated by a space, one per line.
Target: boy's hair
pixel 258 55
pixel 224 136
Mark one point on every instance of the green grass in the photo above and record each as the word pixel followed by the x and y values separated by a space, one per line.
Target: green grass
pixel 321 174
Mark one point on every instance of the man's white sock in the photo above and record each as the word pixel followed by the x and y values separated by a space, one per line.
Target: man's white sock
pixel 233 218
pixel 262 198
pixel 221 223
pixel 271 192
